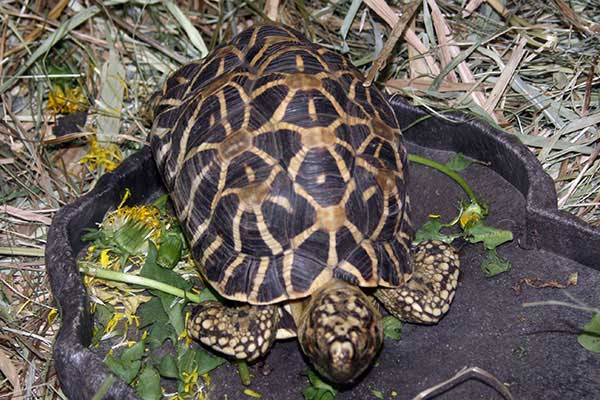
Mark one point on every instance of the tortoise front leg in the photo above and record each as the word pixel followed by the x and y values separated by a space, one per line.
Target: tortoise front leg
pixel 426 297
pixel 245 332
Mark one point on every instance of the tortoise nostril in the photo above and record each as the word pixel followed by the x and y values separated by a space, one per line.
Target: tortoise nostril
pixel 341 353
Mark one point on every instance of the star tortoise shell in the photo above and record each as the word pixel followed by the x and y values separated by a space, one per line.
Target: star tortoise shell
pixel 285 171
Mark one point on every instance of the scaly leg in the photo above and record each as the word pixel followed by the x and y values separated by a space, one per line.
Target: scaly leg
pixel 426 297
pixel 245 332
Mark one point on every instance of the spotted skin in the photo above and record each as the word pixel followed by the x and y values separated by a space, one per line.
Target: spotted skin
pixel 340 331
pixel 244 332
pixel 427 296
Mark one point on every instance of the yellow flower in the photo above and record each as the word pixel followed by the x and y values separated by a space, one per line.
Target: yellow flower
pixel 90 252
pixel 23 306
pixel 117 317
pixel 126 195
pixel 470 215
pixel 466 219
pixel 112 324
pixel 66 101
pixel 190 380
pixel 52 316
pixel 107 157
pixel 184 333
pixel 105 258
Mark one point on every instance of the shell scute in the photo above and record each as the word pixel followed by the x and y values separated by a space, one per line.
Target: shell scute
pixel 324 185
pixel 284 169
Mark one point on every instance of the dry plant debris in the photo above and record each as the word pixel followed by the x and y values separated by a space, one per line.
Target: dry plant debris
pixel 75 77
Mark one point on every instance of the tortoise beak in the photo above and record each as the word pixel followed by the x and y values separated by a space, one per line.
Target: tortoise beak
pixel 345 364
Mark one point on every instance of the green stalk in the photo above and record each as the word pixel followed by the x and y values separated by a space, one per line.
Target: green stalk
pixel 106 385
pixel 445 170
pixel 594 310
pixel 21 251
pixel 244 373
pixel 138 280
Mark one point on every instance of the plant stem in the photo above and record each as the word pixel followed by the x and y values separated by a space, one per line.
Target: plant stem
pixel 137 280
pixel 104 388
pixel 21 251
pixel 562 304
pixel 244 373
pixel 445 170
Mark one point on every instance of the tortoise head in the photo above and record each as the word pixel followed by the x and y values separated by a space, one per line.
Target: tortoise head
pixel 340 331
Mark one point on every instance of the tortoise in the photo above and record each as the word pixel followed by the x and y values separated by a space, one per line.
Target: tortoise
pixel 289 178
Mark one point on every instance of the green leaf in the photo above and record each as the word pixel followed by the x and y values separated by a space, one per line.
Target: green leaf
pixel 102 314
pixel 311 393
pixel 169 253
pixel 458 162
pixel 491 237
pixel 431 231
pixel 91 235
pixel 148 386
pixel 159 332
pixel 494 264
pixel 378 394
pixel 318 390
pixel 168 366
pixel 134 353
pixel 161 203
pixel 590 337
pixel 208 295
pixel 206 361
pixel 196 358
pixel 392 327
pixel 127 371
pixel 152 312
pixel 130 238
pixel 127 366
pixel 173 306
pixel 185 359
pixel 152 270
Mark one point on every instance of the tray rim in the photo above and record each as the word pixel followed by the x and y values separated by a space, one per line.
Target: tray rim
pixel 70 347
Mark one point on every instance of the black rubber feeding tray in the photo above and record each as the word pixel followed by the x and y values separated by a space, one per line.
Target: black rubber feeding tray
pixel 532 350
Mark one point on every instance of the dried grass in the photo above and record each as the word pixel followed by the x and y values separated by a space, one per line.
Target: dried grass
pixel 530 66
